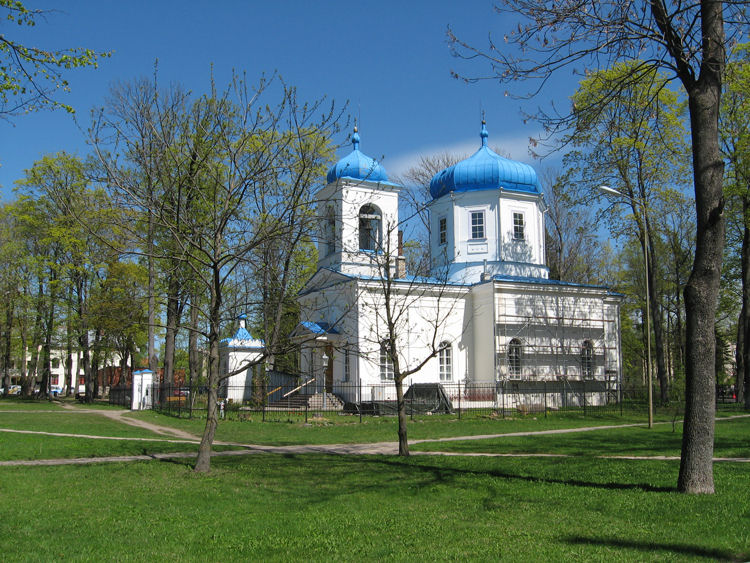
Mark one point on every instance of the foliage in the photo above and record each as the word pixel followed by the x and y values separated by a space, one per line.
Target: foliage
pixel 29 75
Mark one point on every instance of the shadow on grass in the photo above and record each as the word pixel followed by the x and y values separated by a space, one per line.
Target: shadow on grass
pixel 677 548
pixel 441 471
pixel 427 473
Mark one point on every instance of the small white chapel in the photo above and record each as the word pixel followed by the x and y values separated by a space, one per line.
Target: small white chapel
pixel 488 306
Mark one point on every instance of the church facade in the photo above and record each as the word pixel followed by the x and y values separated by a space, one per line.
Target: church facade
pixel 487 313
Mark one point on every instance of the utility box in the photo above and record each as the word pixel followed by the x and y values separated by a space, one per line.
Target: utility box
pixel 143 389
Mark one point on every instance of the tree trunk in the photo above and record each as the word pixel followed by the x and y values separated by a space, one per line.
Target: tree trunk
pixel 403 442
pixel 743 323
pixel 679 339
pixel 702 289
pixel 6 345
pixel 83 342
pixel 656 321
pixel 49 328
pixel 739 355
pixel 69 347
pixel 153 361
pixel 193 352
pixel 173 319
pixel 203 462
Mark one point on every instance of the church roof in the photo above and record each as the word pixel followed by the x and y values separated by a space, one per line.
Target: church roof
pixel 484 170
pixel 319 328
pixel 357 165
pixel 242 338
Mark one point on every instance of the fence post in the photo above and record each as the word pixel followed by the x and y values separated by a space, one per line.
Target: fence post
pixel 411 405
pixel 503 400
pixel 459 399
pixel 545 399
pixel 360 400
pixel 584 398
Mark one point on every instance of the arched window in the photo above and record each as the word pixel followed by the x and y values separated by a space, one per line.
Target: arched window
pixel 446 362
pixel 386 362
pixel 330 231
pixel 369 227
pixel 515 350
pixel 587 358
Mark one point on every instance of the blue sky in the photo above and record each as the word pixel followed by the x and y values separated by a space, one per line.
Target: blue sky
pixel 390 60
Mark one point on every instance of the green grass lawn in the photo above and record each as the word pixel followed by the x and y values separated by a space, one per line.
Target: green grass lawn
pixel 313 507
pixel 732 439
pixel 335 429
pixel 317 507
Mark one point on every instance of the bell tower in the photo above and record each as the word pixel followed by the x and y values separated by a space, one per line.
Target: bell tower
pixel 358 215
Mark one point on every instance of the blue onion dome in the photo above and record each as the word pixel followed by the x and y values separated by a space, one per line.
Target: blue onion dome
pixel 357 166
pixel 484 170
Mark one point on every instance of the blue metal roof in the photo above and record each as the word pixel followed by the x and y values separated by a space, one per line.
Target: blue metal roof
pixel 319 328
pixel 484 170
pixel 242 334
pixel 357 166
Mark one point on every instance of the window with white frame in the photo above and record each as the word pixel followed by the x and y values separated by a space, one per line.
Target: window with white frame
pixel 443 230
pixel 519 227
pixel 386 362
pixel 477 225
pixel 515 351
pixel 446 362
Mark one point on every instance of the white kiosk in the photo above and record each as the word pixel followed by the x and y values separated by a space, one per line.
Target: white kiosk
pixel 142 396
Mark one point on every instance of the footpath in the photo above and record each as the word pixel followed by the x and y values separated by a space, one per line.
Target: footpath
pixel 173 435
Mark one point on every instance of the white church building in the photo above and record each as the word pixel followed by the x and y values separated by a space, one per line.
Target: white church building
pixel 487 315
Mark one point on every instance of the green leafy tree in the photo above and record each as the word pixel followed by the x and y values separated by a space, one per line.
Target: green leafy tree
pixel 30 75
pixel 637 146
pixel 735 144
pixel 686 40
pixel 78 233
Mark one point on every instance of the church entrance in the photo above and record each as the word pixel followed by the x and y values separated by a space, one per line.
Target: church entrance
pixel 329 369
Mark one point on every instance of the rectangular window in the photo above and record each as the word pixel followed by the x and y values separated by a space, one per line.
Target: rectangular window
pixel 443 230
pixel 518 227
pixel 55 363
pixel 386 363
pixel 477 225
pixel 446 364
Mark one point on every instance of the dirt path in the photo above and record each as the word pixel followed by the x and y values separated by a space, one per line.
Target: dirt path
pixel 121 416
pixel 377 448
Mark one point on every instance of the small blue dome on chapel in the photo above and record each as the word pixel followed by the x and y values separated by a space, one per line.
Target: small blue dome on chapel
pixel 484 170
pixel 357 166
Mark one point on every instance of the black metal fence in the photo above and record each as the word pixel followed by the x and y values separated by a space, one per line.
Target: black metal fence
pixel 292 401
pixel 281 400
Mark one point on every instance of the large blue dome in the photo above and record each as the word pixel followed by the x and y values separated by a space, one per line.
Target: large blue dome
pixel 357 166
pixel 484 170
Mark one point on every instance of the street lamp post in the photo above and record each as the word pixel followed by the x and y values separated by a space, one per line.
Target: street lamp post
pixel 612 192
pixel 325 369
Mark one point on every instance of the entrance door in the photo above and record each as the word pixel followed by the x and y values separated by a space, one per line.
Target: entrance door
pixel 329 369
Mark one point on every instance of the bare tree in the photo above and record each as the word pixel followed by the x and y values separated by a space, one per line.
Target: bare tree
pixel 408 317
pixel 573 253
pixel 686 39
pixel 247 170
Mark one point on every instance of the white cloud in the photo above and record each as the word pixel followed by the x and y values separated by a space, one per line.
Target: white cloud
pixel 515 147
